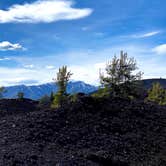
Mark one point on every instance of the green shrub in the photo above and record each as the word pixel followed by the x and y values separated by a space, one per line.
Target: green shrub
pixel 102 92
pixel 45 101
pixel 75 97
pixel 157 94
pixel 52 96
pixel 20 95
pixel 2 90
pixel 59 100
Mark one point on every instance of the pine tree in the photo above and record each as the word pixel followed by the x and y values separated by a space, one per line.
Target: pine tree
pixel 45 101
pixel 20 95
pixel 120 79
pixel 157 94
pixel 2 90
pixel 52 96
pixel 61 80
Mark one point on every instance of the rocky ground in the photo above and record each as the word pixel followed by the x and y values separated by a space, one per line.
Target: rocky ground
pixel 113 132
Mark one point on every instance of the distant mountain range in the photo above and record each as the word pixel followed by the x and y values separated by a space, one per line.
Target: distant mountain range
pixel 149 82
pixel 37 91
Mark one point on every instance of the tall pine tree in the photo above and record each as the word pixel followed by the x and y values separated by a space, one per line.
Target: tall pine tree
pixel 157 94
pixel 61 81
pixel 120 78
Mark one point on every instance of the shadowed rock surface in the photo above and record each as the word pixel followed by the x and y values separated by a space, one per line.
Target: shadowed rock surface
pixel 91 131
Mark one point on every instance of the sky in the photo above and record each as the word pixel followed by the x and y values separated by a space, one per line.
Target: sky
pixel 39 36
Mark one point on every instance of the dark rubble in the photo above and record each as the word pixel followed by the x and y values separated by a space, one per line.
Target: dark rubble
pixel 106 132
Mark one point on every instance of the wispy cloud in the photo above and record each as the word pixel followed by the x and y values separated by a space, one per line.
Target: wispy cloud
pixel 99 34
pixel 146 35
pixel 50 67
pixel 27 76
pixel 161 49
pixel 29 66
pixel 5 59
pixel 86 28
pixel 5 46
pixel 43 11
pixel 88 66
pixel 19 81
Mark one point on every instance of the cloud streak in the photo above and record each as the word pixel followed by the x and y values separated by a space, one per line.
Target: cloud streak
pixel 17 76
pixel 5 59
pixel 30 66
pixel 161 49
pixel 50 67
pixel 7 46
pixel 87 69
pixel 43 11
pixel 146 35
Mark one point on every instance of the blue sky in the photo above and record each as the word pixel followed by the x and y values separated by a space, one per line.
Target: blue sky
pixel 37 37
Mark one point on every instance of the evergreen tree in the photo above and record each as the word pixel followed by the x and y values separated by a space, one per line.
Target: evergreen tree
pixel 2 90
pixel 20 95
pixel 120 79
pixel 157 94
pixel 45 101
pixel 61 80
pixel 52 96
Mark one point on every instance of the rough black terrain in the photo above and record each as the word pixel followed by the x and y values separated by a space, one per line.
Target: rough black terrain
pixel 15 106
pixel 113 132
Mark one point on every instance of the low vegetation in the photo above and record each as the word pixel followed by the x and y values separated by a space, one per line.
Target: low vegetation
pixel 20 95
pixel 157 94
pixel 2 90
pixel 121 78
pixel 45 101
pixel 61 80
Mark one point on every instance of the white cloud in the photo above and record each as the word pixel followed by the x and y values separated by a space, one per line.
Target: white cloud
pixel 15 76
pixel 145 35
pixel 5 59
pixel 99 34
pixel 85 28
pixel 50 67
pixel 5 46
pixel 86 73
pixel 161 49
pixel 30 66
pixel 43 11
pixel 100 65
pixel 84 65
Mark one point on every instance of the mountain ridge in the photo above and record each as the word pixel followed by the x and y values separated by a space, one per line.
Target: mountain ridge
pixel 147 83
pixel 35 92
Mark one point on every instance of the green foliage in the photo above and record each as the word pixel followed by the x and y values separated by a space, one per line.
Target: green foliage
pixel 75 97
pixel 52 96
pixel 2 90
pixel 45 101
pixel 61 80
pixel 120 79
pixel 157 94
pixel 59 100
pixel 20 95
pixel 102 92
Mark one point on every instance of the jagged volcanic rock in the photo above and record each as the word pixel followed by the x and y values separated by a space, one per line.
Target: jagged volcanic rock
pixel 113 132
